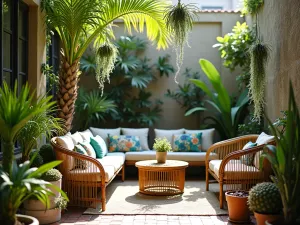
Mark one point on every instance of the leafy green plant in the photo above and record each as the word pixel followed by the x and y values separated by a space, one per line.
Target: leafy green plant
pixel 38 159
pixel 17 108
pixel 179 20
pixel 250 126
pixel 163 66
pixel 61 202
pixel 227 116
pixel 188 95
pixel 251 6
pixel 23 183
pixel 280 123
pixel 51 175
pixel 93 107
pixel 285 161
pixel 259 54
pixel 234 47
pixel 47 153
pixel 162 145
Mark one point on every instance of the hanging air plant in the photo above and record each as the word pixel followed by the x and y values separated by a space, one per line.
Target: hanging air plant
pixel 179 20
pixel 106 56
pixel 259 54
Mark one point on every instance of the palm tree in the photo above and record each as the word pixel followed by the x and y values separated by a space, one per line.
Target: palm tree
pixel 82 22
pixel 16 109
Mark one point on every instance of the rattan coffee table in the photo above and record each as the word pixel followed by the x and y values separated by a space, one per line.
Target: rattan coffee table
pixel 161 178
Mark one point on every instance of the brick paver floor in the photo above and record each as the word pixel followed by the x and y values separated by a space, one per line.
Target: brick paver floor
pixel 75 217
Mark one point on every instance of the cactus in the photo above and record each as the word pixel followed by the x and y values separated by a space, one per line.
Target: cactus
pixel 47 153
pixel 265 198
pixel 38 161
pixel 52 175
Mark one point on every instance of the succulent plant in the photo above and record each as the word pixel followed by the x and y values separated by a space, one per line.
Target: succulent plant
pixel 52 175
pixel 47 153
pixel 38 160
pixel 265 198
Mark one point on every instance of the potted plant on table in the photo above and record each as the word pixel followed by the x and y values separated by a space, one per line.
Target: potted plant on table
pixel 265 201
pixel 51 213
pixel 21 184
pixel 285 162
pixel 162 146
pixel 237 206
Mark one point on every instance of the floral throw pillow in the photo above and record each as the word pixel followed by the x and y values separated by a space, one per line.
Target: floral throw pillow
pixel 124 143
pixel 248 159
pixel 187 142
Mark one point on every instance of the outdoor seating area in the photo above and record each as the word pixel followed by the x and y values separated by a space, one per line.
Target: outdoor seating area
pixel 149 112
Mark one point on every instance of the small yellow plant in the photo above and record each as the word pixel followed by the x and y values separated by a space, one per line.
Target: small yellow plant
pixel 162 145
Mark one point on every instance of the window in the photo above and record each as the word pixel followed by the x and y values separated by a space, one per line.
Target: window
pixel 212 7
pixel 13 43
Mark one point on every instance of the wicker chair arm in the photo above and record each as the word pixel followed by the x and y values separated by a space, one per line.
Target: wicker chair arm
pixel 79 156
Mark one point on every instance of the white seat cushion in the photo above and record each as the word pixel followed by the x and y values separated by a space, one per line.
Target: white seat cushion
pixel 207 137
pixel 91 174
pixel 142 133
pixel 116 160
pixel 217 162
pixel 184 156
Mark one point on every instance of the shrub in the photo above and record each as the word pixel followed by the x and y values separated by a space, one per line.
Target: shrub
pixel 52 175
pixel 60 202
pixel 38 161
pixel 47 153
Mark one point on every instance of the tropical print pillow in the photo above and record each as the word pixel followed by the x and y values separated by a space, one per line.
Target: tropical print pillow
pixel 187 142
pixel 80 164
pixel 124 143
pixel 248 159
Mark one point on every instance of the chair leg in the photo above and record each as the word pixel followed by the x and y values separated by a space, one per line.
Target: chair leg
pixel 207 180
pixel 103 198
pixel 221 196
pixel 123 173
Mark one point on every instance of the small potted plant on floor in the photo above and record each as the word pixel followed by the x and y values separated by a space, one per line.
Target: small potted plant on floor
pixel 51 213
pixel 237 206
pixel 265 201
pixel 162 146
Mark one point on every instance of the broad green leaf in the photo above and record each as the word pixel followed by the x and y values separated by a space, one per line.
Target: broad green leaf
pixel 203 86
pixel 44 168
pixel 191 111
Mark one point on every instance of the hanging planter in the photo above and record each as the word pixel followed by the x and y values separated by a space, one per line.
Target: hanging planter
pixel 106 56
pixel 179 20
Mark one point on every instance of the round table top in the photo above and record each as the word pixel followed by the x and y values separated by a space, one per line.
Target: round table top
pixel 167 164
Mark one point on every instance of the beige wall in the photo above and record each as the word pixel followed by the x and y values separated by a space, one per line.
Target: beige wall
pixel 226 4
pixel 279 25
pixel 36 47
pixel 203 36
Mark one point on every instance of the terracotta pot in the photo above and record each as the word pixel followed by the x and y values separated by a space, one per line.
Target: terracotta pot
pixel 28 220
pixel 237 208
pixel 45 217
pixel 161 157
pixel 262 218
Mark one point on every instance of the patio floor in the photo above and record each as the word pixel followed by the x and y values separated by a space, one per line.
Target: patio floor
pixel 74 217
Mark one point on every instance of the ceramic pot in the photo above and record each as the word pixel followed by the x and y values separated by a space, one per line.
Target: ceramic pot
pixel 45 217
pixel 237 208
pixel 161 157
pixel 262 218
pixel 28 220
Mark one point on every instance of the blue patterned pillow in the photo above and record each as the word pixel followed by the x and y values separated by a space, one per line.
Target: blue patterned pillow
pixel 248 159
pixel 187 142
pixel 124 143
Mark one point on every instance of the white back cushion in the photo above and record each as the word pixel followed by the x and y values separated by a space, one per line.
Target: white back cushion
pixel 264 138
pixel 104 132
pixel 159 133
pixel 142 133
pixel 207 137
pixel 76 138
pixel 86 135
pixel 65 142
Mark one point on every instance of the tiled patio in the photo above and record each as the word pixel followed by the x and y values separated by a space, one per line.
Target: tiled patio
pixel 74 216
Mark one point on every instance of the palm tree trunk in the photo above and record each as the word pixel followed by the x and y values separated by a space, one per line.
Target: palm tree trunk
pixel 8 155
pixel 67 91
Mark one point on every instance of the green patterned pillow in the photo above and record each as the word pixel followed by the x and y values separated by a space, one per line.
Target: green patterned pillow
pixel 248 159
pixel 80 163
pixel 97 147
pixel 124 143
pixel 88 148
pixel 187 142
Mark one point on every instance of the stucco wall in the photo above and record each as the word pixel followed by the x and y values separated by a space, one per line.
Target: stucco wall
pixel 226 4
pixel 206 29
pixel 279 25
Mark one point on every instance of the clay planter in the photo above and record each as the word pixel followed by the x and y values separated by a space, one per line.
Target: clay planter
pixel 27 220
pixel 38 210
pixel 161 157
pixel 262 218
pixel 237 206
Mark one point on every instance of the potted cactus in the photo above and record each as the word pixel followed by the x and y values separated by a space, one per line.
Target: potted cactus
pixel 162 146
pixel 265 201
pixel 52 213
pixel 237 206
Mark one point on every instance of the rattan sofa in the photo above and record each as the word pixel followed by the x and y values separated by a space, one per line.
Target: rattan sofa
pixel 228 170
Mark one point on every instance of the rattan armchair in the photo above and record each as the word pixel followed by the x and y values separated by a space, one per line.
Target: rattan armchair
pixel 229 171
pixel 83 185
